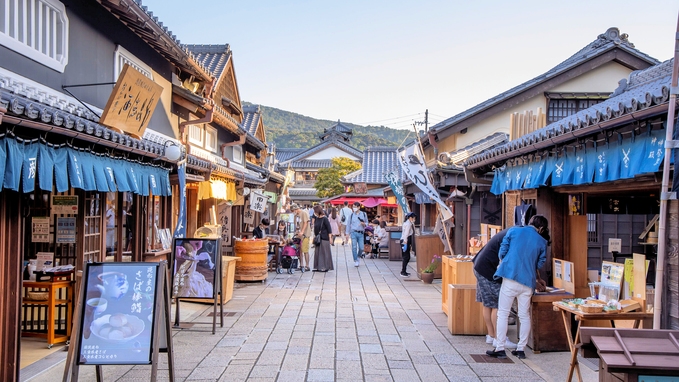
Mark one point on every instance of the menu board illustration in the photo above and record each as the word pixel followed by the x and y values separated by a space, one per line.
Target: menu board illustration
pixel 118 313
pixel 194 267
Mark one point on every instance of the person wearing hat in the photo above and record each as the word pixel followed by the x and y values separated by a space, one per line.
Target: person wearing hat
pixel 303 233
pixel 407 238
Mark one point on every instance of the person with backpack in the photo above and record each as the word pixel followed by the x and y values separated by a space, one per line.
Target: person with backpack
pixel 356 223
pixel 344 220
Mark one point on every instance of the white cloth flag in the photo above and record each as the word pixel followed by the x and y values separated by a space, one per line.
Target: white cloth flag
pixel 258 202
pixel 441 231
pixel 413 164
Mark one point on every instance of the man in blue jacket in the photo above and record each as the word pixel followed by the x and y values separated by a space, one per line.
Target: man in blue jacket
pixel 522 253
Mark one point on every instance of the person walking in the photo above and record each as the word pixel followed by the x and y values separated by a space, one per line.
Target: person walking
pixel 322 252
pixel 357 221
pixel 334 223
pixel 304 233
pixel 487 288
pixel 522 252
pixel 407 238
pixel 344 220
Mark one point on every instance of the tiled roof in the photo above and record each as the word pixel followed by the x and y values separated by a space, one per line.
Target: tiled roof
pixel 283 155
pixel 321 146
pixel 376 162
pixel 645 88
pixel 144 24
pixel 212 57
pixel 610 40
pixel 311 163
pixel 252 114
pixel 459 156
pixel 301 191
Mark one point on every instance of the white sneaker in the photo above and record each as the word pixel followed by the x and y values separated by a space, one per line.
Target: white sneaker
pixel 356 263
pixel 489 339
pixel 508 344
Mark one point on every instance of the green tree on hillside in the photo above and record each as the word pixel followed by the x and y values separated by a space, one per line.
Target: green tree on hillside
pixel 328 179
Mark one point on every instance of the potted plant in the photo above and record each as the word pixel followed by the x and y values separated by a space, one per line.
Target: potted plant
pixel 427 274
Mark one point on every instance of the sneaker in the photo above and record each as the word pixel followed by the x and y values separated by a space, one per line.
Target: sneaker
pixel 356 263
pixel 508 344
pixel 519 354
pixel 405 274
pixel 496 354
pixel 489 339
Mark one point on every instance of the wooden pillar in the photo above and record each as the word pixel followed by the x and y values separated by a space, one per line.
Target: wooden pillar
pixel 10 279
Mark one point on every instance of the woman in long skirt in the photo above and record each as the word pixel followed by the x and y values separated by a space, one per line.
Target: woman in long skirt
pixel 323 253
pixel 334 223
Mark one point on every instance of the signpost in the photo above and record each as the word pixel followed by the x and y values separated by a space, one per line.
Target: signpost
pixel 122 310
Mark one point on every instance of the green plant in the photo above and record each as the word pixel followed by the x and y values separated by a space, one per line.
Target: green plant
pixel 435 261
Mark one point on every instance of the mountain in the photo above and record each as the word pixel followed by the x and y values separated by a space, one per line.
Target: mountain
pixel 291 130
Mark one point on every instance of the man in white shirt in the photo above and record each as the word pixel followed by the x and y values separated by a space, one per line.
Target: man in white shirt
pixel 345 212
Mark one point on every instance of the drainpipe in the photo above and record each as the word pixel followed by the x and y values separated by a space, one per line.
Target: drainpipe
pixel 206 119
pixel 665 195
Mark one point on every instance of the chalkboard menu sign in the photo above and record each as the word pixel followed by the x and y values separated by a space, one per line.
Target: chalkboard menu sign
pixel 196 265
pixel 118 314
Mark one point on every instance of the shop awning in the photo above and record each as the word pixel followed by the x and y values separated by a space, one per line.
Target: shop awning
pixel 21 162
pixel 620 160
pixel 343 199
pixel 374 202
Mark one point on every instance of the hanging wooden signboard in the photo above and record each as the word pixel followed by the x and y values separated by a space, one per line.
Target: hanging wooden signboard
pixel 122 311
pixel 132 102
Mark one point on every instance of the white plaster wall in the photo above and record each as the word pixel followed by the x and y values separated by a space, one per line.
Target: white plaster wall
pixel 331 152
pixel 603 79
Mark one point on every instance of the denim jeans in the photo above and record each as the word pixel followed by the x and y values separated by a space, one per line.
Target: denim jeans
pixel 509 291
pixel 356 244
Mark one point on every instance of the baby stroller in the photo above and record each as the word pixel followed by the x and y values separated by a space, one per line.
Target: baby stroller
pixel 290 256
pixel 368 245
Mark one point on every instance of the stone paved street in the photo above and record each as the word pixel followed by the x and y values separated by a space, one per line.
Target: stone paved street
pixel 350 324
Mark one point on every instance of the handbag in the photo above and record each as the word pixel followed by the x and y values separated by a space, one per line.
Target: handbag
pixel 317 239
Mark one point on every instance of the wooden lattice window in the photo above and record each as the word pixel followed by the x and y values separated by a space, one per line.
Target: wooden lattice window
pixel 563 105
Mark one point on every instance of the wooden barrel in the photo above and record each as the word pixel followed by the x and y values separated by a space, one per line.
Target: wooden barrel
pixel 253 254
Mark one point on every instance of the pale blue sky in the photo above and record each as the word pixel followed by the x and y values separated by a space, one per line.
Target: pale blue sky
pixel 384 62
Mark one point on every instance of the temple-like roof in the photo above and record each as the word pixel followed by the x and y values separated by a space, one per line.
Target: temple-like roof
pixel 604 43
pixel 644 90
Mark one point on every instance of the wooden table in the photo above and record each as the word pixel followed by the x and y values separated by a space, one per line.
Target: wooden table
pixel 573 343
pixel 65 299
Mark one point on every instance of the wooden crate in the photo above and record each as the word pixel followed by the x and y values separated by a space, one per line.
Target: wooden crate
pixel 454 272
pixel 465 315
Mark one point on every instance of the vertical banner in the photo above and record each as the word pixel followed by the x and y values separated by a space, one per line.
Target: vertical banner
pixel 441 230
pixel 224 219
pixel 413 165
pixel 248 215
pixel 397 187
pixel 180 229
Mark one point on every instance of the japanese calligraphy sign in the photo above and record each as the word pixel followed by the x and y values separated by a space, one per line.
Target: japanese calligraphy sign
pixel 195 267
pixel 248 215
pixel 394 181
pixel 224 219
pixel 413 165
pixel 132 102
pixel 258 202
pixel 118 313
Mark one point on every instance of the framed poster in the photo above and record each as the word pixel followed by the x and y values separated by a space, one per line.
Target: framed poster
pixel 195 263
pixel 65 230
pixel 118 313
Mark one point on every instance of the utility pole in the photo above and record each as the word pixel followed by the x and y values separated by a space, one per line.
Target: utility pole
pixel 426 120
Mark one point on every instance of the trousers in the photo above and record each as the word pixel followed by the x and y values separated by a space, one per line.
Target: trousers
pixel 509 291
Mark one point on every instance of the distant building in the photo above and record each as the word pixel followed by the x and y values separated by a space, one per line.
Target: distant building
pixel 304 164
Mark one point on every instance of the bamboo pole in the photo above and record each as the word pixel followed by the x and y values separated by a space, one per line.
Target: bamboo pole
pixel 664 191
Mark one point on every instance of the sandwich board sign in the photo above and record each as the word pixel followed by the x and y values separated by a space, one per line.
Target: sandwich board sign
pixel 122 311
